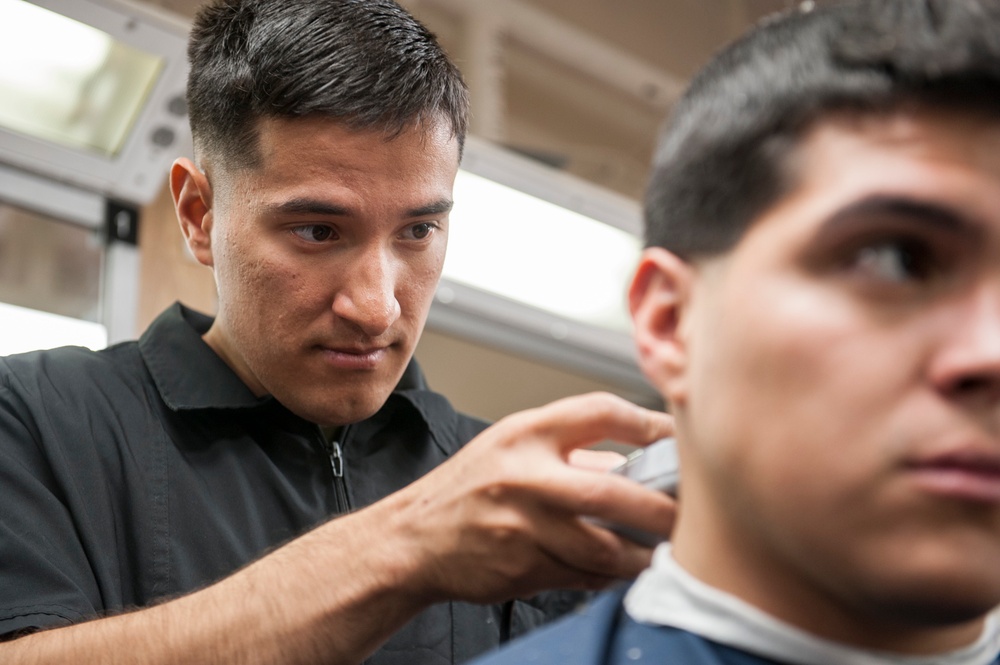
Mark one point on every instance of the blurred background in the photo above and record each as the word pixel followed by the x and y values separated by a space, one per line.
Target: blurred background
pixel 568 97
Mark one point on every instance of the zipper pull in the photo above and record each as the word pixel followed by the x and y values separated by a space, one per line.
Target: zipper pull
pixel 336 459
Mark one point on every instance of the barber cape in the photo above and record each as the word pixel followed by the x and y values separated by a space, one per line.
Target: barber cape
pixel 668 617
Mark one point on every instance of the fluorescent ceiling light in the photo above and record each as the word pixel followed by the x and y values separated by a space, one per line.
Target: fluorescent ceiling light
pixel 67 82
pixel 538 264
pixel 524 248
pixel 23 329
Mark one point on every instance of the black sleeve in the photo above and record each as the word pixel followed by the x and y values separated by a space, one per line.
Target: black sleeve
pixel 523 616
pixel 45 577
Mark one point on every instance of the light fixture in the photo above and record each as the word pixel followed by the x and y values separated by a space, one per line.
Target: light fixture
pixel 538 263
pixel 67 82
pixel 93 93
pixel 535 252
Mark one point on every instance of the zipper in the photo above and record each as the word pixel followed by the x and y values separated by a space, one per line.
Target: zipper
pixel 335 452
pixel 336 459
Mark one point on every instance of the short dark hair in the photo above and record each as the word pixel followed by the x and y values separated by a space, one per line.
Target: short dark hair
pixel 368 63
pixel 723 158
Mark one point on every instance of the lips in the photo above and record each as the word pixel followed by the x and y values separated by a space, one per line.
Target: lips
pixel 354 358
pixel 969 475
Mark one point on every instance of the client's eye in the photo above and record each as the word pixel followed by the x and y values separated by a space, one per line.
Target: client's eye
pixel 895 260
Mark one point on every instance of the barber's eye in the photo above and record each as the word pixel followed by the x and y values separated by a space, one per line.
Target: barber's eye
pixel 422 230
pixel 894 261
pixel 314 232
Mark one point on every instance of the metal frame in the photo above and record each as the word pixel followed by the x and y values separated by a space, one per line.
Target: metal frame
pixel 120 273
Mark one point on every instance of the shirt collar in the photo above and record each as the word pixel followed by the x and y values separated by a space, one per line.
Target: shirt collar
pixel 667 595
pixel 172 347
pixel 186 371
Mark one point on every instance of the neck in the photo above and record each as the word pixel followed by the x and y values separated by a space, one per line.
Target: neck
pixel 219 342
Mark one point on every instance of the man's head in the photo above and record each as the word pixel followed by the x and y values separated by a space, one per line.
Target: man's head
pixel 328 135
pixel 820 305
pixel 366 63
pixel 727 152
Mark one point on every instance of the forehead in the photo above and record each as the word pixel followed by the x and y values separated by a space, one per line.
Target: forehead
pixel 273 132
pixel 293 152
pixel 946 159
pixel 910 140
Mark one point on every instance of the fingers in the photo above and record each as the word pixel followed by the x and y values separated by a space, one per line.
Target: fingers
pixel 503 517
pixel 602 496
pixel 582 420
pixel 587 550
pixel 562 506
pixel 535 548
pixel 595 460
pixel 498 552
pixel 580 554
pixel 528 463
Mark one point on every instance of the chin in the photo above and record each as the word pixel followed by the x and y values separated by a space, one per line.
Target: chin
pixel 938 605
pixel 343 411
pixel 938 614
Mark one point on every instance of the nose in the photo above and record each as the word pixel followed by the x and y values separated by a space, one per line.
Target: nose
pixel 967 367
pixel 367 297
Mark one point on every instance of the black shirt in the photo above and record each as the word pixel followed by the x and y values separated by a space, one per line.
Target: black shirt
pixel 149 469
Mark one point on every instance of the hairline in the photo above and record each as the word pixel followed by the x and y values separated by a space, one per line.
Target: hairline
pixel 789 174
pixel 251 158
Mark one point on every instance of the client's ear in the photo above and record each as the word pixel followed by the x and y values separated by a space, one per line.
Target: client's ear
pixel 658 300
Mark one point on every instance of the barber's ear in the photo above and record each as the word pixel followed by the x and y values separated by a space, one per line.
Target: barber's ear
pixel 659 298
pixel 192 195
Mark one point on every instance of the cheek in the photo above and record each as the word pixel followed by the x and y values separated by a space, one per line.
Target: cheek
pixel 417 282
pixel 255 279
pixel 248 275
pixel 794 377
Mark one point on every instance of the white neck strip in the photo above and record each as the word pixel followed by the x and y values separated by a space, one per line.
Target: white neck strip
pixel 667 595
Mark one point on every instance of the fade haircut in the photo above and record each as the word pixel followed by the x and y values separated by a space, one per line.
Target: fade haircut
pixel 366 63
pixel 725 155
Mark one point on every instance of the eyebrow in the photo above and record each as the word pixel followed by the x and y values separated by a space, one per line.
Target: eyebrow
pixel 438 207
pixel 925 213
pixel 308 206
